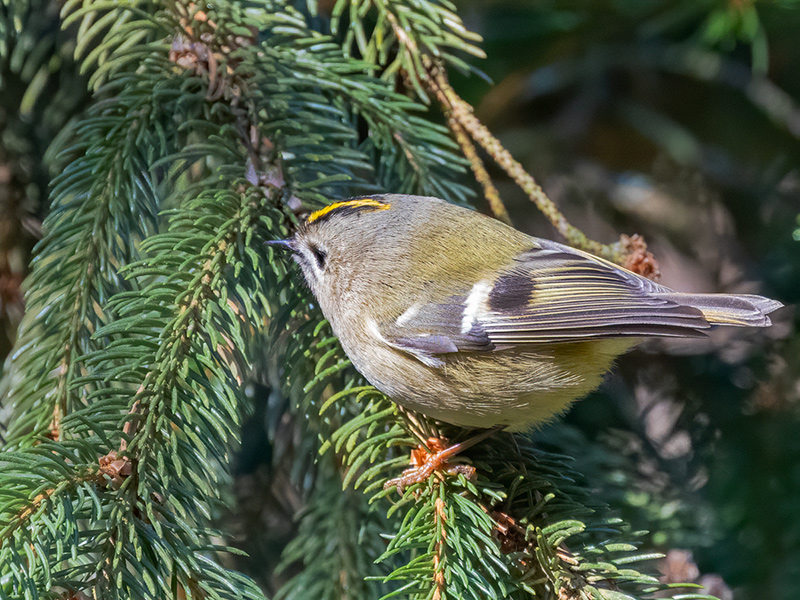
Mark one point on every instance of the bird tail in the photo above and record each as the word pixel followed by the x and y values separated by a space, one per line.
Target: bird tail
pixel 743 310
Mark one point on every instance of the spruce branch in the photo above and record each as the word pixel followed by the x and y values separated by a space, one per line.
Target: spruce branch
pixel 150 494
pixel 239 114
pixel 77 264
pixel 19 507
pixel 449 537
pixel 402 33
pixel 161 444
pixel 529 515
pixel 337 554
pixel 407 152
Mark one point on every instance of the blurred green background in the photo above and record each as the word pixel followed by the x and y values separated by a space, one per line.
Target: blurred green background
pixel 675 119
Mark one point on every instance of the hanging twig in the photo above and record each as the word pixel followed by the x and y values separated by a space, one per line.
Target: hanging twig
pixel 630 251
pixel 479 170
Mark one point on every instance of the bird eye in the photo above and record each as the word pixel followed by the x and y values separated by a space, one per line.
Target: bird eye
pixel 320 256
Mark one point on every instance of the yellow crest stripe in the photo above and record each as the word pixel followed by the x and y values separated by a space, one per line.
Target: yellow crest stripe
pixel 360 203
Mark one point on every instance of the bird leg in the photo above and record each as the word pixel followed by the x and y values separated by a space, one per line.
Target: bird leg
pixel 433 457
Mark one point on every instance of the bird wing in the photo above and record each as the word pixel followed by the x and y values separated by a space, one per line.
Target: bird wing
pixel 548 295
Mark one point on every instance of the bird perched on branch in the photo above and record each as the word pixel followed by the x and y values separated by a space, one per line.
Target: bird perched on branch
pixel 456 315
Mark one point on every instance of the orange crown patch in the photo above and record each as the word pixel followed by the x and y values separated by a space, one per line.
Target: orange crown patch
pixel 350 205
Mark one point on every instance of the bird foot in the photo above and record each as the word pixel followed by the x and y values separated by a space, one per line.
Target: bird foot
pixel 428 459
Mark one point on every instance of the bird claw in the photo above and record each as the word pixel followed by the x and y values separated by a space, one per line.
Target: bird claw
pixel 427 460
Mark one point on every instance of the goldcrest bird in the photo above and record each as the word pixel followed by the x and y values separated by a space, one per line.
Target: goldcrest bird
pixel 454 314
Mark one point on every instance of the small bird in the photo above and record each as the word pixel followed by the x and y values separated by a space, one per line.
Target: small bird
pixel 456 315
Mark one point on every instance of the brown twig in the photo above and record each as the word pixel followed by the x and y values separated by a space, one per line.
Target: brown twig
pixel 467 147
pixel 462 112
pixel 438 550
pixel 631 252
pixel 479 170
pixel 89 474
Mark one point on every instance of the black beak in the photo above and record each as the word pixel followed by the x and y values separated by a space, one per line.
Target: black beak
pixel 287 243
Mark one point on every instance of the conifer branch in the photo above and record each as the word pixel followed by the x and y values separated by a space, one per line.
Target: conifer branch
pixel 408 153
pixel 91 258
pixel 18 515
pixel 402 34
pixel 231 117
